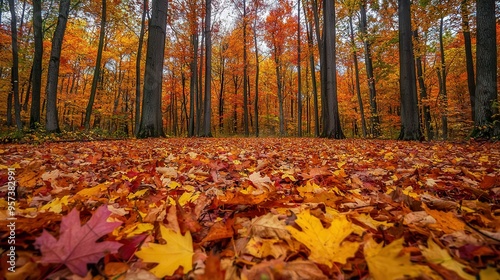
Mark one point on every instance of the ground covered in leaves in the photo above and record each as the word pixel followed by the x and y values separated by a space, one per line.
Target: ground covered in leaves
pixel 250 209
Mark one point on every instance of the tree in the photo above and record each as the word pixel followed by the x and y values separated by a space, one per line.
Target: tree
pixel 486 121
pixel 471 84
pixel 138 68
pixel 97 69
pixel 37 64
pixel 374 118
pixel 52 121
pixel 410 125
pixel 151 117
pixel 207 121
pixel 331 118
pixel 15 65
pixel 299 90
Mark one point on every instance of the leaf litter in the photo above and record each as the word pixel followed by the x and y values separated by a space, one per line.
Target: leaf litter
pixel 254 209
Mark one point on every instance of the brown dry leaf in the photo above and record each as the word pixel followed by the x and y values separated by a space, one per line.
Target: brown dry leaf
pixel 279 269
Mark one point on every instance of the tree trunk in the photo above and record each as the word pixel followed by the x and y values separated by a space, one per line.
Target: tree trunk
pixel 442 84
pixel 257 73
pixel 423 91
pixel 299 79
pixel 37 64
pixel 245 73
pixel 374 118
pixel 471 84
pixel 410 125
pixel 312 66
pixel 151 117
pixel 192 87
pixel 97 69
pixel 356 75
pixel 15 66
pixel 51 120
pixel 207 122
pixel 138 68
pixel 331 118
pixel 486 122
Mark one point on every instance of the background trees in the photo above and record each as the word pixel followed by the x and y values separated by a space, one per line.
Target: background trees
pixel 252 86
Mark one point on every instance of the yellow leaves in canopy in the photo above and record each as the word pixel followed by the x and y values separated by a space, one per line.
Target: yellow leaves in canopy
pixel 327 245
pixel 389 262
pixel 178 251
pixel 437 255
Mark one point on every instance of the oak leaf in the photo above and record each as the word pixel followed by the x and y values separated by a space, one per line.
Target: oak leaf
pixel 178 251
pixel 77 245
pixel 327 245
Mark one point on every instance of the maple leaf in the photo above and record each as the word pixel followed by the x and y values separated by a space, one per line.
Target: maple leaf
pixel 389 263
pixel 436 255
pixel 177 252
pixel 326 245
pixel 77 244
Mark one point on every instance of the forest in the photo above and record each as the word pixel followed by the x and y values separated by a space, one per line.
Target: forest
pixel 351 68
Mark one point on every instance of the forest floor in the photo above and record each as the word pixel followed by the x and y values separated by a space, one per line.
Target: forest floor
pixel 243 208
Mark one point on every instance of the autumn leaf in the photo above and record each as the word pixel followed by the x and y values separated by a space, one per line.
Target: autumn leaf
pixel 178 251
pixel 77 245
pixel 327 245
pixel 437 255
pixel 390 263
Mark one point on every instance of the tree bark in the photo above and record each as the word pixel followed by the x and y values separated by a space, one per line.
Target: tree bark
pixel 138 68
pixel 442 84
pixel 245 72
pixel 51 120
pixel 207 121
pixel 331 118
pixel 192 87
pixel 15 66
pixel 37 64
pixel 356 75
pixel 410 125
pixel 151 117
pixel 97 69
pixel 471 84
pixel 486 122
pixel 423 91
pixel 257 73
pixel 299 78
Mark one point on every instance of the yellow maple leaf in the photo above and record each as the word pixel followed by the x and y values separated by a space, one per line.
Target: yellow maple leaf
pixel 389 263
pixel 177 252
pixel 437 255
pixel 326 244
pixel 263 247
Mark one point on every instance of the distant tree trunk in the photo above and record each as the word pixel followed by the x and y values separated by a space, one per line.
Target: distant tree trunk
pixel 423 92
pixel 299 78
pixel 151 117
pixel 312 66
pixel 37 64
pixel 245 72
pixel 138 68
pixel 468 55
pixel 207 122
pixel 356 75
pixel 192 87
pixel 486 122
pixel 331 118
pixel 15 65
pixel 221 92
pixel 442 83
pixel 51 120
pixel 97 69
pixel 200 91
pixel 410 125
pixel 374 118
pixel 257 73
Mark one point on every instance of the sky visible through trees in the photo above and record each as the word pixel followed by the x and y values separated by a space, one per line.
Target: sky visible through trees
pixel 254 51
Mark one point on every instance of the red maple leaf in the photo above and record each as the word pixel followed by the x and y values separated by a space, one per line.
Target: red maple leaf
pixel 77 244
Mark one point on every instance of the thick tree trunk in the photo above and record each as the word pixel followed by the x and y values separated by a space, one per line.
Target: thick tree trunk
pixel 486 122
pixel 52 121
pixel 138 68
pixel 15 66
pixel 374 118
pixel 207 121
pixel 151 117
pixel 37 64
pixel 331 119
pixel 97 69
pixel 410 125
